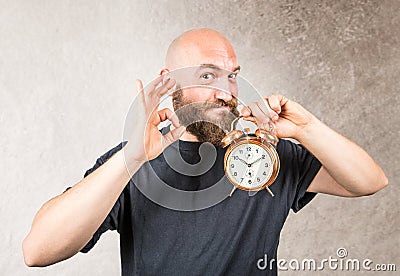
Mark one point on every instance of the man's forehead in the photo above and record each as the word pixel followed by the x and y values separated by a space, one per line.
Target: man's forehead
pixel 212 59
pixel 222 56
pixel 215 52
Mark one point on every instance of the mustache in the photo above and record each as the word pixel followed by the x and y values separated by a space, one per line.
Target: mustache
pixel 179 101
pixel 232 104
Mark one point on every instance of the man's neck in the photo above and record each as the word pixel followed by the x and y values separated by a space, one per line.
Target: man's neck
pixel 188 137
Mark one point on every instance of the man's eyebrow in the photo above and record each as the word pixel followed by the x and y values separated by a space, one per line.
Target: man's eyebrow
pixel 213 66
pixel 236 69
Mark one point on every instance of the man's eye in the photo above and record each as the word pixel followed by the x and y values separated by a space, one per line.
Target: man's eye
pixel 232 76
pixel 207 76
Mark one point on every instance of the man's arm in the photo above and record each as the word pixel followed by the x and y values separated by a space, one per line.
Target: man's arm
pixel 64 224
pixel 347 170
pixel 67 222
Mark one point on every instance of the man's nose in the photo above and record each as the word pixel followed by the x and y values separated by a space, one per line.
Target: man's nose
pixel 224 95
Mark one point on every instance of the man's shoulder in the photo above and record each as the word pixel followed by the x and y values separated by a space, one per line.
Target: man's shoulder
pixel 113 151
pixel 287 145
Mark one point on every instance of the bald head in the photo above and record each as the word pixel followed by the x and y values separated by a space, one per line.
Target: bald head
pixel 200 46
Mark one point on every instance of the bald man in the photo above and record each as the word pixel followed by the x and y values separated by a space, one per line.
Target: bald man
pixel 228 238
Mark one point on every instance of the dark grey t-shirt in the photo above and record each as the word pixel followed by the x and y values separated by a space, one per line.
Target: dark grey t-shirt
pixel 225 239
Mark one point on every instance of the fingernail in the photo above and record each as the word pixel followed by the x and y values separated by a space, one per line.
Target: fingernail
pixel 275 118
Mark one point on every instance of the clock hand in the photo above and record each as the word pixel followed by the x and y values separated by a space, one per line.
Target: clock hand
pixel 243 161
pixel 255 161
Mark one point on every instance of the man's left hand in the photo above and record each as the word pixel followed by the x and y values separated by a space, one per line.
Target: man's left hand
pixel 347 170
pixel 289 117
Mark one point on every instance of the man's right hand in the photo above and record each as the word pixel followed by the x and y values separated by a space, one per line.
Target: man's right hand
pixel 86 205
pixel 146 141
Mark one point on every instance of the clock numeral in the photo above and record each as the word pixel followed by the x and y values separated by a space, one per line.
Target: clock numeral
pixel 256 150
pixel 250 181
pixel 232 165
pixel 241 179
pixel 264 173
pixel 266 165
pixel 241 151
pixel 263 156
pixel 235 157
pixel 234 173
pixel 258 179
pixel 248 148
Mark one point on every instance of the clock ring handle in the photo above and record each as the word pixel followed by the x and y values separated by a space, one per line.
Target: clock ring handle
pixel 234 121
pixel 268 135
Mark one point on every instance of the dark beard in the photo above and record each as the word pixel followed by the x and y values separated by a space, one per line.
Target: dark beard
pixel 194 117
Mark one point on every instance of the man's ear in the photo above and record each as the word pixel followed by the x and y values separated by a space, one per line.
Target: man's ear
pixel 164 72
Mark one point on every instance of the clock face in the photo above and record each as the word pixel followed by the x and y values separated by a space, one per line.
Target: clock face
pixel 249 166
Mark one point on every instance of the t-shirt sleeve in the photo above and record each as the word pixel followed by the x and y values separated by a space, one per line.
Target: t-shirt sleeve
pixel 111 221
pixel 309 166
pixel 303 168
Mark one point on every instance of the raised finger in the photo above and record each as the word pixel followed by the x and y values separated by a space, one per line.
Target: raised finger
pixel 260 116
pixel 152 96
pixel 153 85
pixel 165 87
pixel 274 102
pixel 140 92
pixel 266 109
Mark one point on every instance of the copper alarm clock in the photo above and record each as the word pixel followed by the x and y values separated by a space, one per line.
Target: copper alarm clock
pixel 251 162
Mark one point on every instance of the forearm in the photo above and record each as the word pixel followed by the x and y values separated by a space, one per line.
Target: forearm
pixel 67 222
pixel 345 161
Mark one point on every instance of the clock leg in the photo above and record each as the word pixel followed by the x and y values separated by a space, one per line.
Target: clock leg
pixel 234 188
pixel 269 191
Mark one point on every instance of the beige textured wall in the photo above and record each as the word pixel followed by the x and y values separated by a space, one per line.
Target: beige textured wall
pixel 67 76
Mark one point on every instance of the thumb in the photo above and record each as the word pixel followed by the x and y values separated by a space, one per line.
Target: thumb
pixel 172 136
